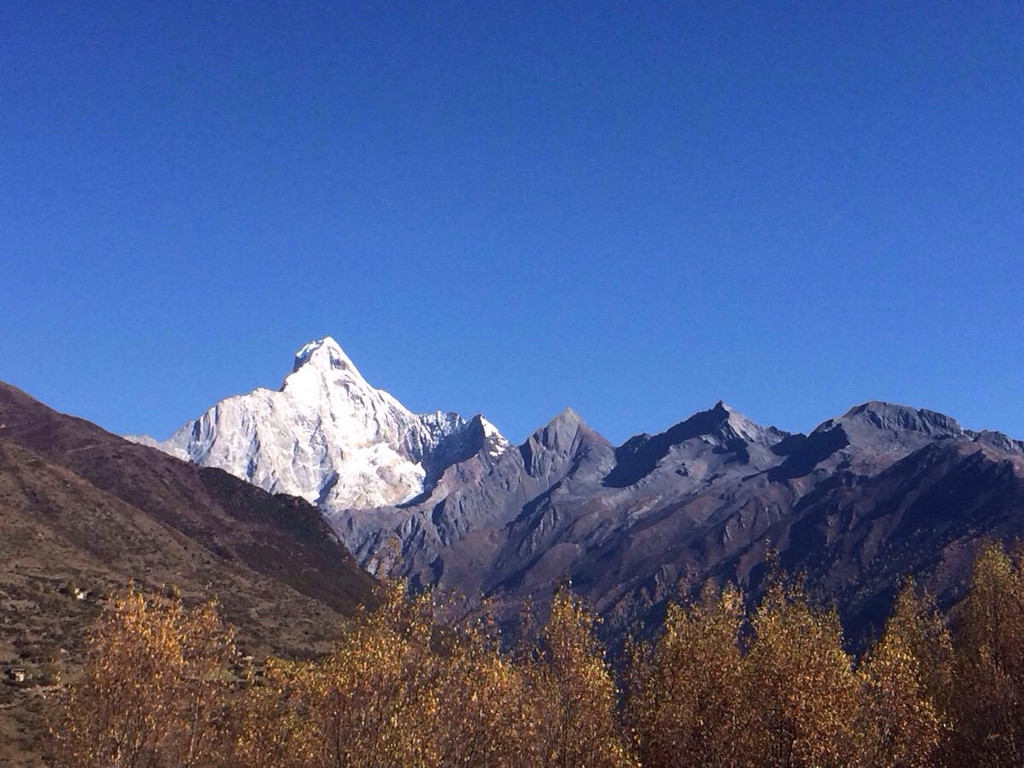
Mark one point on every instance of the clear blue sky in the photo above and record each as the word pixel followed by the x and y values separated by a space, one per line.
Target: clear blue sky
pixel 632 208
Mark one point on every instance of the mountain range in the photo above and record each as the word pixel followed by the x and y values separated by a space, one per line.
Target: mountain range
pixel 865 498
pixel 284 505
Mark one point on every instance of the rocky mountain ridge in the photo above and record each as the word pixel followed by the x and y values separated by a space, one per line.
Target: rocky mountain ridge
pixel 630 525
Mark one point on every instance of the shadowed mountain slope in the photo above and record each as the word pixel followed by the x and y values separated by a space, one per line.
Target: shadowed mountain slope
pixel 83 512
pixel 233 520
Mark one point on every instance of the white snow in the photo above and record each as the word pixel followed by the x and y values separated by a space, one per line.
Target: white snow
pixel 327 435
pixel 496 442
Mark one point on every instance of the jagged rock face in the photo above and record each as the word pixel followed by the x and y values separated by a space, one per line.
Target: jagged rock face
pixel 453 534
pixel 329 437
pixel 633 526
pixel 519 523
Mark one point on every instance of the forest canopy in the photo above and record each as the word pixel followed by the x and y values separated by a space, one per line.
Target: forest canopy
pixel 721 685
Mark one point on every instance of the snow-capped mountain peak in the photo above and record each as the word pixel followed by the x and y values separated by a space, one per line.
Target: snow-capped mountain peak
pixel 323 353
pixel 324 374
pixel 327 435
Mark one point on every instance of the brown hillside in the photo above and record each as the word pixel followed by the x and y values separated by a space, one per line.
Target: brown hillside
pixel 83 510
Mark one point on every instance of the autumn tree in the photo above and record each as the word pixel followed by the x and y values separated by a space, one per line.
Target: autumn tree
pixel 399 688
pixel 150 694
pixel 685 695
pixel 489 713
pixel 576 692
pixel 273 726
pixel 988 700
pixel 799 689
pixel 906 680
pixel 372 700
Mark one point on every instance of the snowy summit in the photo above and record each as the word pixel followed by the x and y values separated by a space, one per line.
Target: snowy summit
pixel 329 436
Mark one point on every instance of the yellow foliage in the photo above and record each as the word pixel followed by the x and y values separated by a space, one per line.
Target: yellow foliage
pixel 798 684
pixel 162 687
pixel 988 690
pixel 151 690
pixel 906 679
pixel 400 689
pixel 575 693
pixel 685 704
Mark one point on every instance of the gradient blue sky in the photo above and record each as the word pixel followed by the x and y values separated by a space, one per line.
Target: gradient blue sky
pixel 631 208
